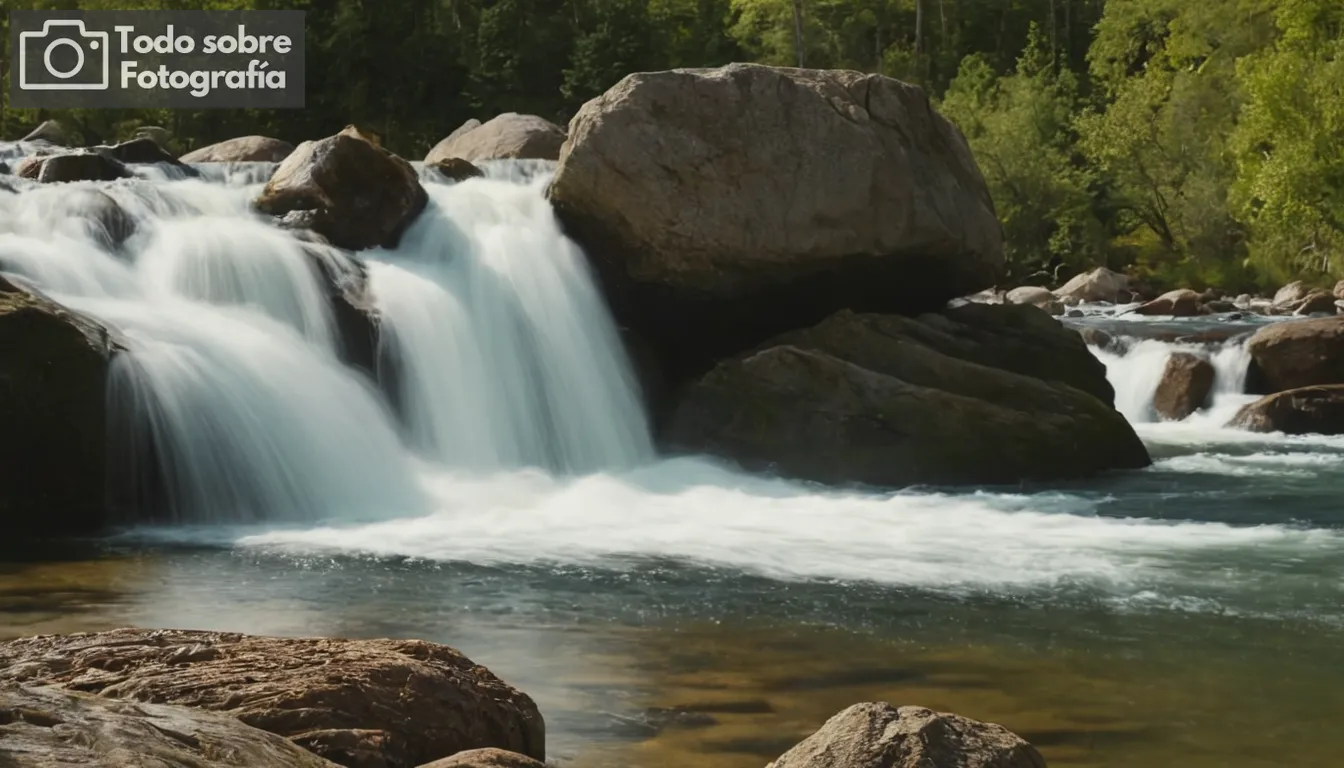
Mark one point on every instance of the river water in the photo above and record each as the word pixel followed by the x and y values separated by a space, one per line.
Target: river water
pixel 663 611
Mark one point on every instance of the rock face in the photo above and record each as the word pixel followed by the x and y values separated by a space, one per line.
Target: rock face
pixel 1186 384
pixel 46 727
pixel 1036 297
pixel 486 758
pixel 1296 353
pixel 53 376
pixel 894 401
pixel 1179 303
pixel 359 703
pixel 1309 410
pixel 878 735
pixel 1101 284
pixel 244 149
pixel 351 192
pixel 724 206
pixel 508 136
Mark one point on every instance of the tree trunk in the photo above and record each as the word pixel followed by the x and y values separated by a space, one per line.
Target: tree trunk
pixel 798 42
pixel 919 27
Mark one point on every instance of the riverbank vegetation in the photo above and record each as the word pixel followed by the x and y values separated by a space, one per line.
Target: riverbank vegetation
pixel 1193 144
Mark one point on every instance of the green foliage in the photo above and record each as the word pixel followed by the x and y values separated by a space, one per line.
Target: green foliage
pixel 1192 143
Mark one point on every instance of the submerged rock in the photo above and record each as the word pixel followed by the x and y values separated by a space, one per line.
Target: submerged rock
pixel 1179 303
pixel 723 206
pixel 508 136
pixel 893 401
pixel 1101 284
pixel 244 149
pixel 54 367
pixel 354 194
pixel 359 703
pixel 48 727
pixel 878 735
pixel 456 169
pixel 104 220
pixel 353 308
pixel 1308 410
pixel 1296 353
pixel 1187 382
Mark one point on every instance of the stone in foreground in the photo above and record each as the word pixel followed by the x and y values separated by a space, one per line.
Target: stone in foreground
pixel 724 206
pixel 244 149
pixel 359 703
pixel 346 189
pixel 894 401
pixel 1296 353
pixel 1305 411
pixel 49 727
pixel 508 136
pixel 878 735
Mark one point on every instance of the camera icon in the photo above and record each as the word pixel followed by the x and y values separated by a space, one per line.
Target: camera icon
pixel 64 56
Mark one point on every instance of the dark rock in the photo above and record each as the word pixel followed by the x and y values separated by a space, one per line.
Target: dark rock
pixel 146 151
pixel 353 193
pixel 1219 306
pixel 359 703
pixel 49 727
pixel 105 221
pixel 74 166
pixel 1187 382
pixel 1296 353
pixel 53 415
pixel 244 149
pixel 1316 302
pixel 352 305
pixel 878 735
pixel 844 190
pixel 456 169
pixel 885 400
pixel 1309 410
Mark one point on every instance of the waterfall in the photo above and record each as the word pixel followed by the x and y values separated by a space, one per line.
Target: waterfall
pixel 1136 373
pixel 231 403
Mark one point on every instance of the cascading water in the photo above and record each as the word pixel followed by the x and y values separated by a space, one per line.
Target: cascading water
pixel 231 397
pixel 1136 373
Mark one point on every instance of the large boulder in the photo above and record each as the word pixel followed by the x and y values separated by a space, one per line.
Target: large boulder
pixel 1036 297
pixel 508 136
pixel 244 149
pixel 1309 410
pixel 1339 290
pixel 49 727
pixel 359 703
pixel 54 367
pixel 146 151
pixel 891 401
pixel 723 206
pixel 1291 293
pixel 1296 353
pixel 1315 303
pixel 1101 284
pixel 50 131
pixel 74 166
pixel 878 735
pixel 1187 382
pixel 346 189
pixel 1179 303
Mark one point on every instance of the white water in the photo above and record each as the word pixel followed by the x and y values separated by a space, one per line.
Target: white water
pixel 523 441
pixel 1136 374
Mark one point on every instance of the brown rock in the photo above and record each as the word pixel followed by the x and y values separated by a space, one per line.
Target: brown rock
pixel 1296 353
pixel 866 398
pixel 1101 284
pixel 47 727
pixel 1339 290
pixel 878 735
pixel 486 758
pixel 1291 293
pixel 1186 384
pixel 509 135
pixel 359 703
pixel 344 188
pixel 74 166
pixel 53 415
pixel 49 131
pixel 244 149
pixel 1036 297
pixel 1309 410
pixel 724 206
pixel 1314 303
pixel 456 169
pixel 1179 303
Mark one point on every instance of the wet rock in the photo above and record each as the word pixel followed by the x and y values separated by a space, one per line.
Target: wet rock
pixel 354 194
pixel 844 190
pixel 1179 303
pixel 878 735
pixel 49 131
pixel 1095 337
pixel 48 727
pixel 486 758
pixel 359 703
pixel 887 400
pixel 1308 410
pixel 1316 302
pixel 146 151
pixel 456 169
pixel 244 149
pixel 1037 297
pixel 1296 353
pixel 102 218
pixel 352 304
pixel 53 415
pixel 74 166
pixel 508 136
pixel 1101 284
pixel 1187 382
